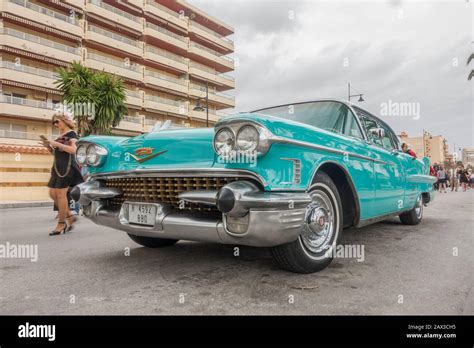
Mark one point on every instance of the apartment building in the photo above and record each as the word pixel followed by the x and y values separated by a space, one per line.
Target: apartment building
pixel 435 147
pixel 168 52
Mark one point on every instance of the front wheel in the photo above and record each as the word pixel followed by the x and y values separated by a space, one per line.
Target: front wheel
pixel 414 216
pixel 311 252
pixel 152 242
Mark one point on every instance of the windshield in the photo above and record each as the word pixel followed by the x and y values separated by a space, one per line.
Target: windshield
pixel 328 115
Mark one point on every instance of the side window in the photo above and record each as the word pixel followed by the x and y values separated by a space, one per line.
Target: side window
pixel 387 139
pixel 369 123
pixel 351 128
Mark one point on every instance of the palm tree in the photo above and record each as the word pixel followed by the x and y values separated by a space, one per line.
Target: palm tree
pixel 83 88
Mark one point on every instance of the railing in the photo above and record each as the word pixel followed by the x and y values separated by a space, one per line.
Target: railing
pixel 202 67
pixel 26 102
pixel 115 10
pixel 225 95
pixel 166 54
pixel 20 135
pixel 164 100
pixel 165 31
pixel 211 51
pixel 113 36
pixel 150 122
pixel 132 119
pixel 114 62
pixel 46 11
pixel 227 77
pixel 163 8
pixel 29 69
pixel 134 94
pixel 210 31
pixel 39 40
pixel 165 77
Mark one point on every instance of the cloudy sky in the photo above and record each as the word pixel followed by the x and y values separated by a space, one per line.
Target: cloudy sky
pixel 400 51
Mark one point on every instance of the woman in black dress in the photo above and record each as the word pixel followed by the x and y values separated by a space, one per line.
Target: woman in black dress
pixel 65 173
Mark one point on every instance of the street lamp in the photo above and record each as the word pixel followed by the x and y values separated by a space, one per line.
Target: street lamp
pixel 349 95
pixel 199 107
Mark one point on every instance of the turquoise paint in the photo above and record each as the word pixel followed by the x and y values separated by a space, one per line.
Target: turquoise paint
pixel 381 187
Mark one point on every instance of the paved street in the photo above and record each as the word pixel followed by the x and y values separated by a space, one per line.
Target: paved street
pixel 87 272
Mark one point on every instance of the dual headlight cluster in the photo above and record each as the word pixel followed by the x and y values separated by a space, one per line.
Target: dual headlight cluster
pixel 244 138
pixel 91 155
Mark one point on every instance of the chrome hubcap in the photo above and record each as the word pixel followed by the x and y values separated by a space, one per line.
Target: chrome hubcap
pixel 419 207
pixel 319 223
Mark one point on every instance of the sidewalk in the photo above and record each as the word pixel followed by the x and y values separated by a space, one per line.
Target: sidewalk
pixel 25 204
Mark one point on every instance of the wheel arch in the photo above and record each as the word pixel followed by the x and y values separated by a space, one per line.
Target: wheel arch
pixel 347 192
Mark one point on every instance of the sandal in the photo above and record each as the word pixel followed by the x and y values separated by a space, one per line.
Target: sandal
pixel 55 233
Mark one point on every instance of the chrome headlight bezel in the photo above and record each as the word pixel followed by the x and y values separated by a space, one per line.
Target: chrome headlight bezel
pixel 98 151
pixel 81 154
pixel 264 136
pixel 242 140
pixel 231 138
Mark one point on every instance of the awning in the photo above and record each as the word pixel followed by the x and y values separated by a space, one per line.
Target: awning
pixel 35 56
pixel 69 7
pixel 41 26
pixel 28 86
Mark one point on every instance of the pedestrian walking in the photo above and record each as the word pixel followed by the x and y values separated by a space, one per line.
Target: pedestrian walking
pixel 442 179
pixel 65 172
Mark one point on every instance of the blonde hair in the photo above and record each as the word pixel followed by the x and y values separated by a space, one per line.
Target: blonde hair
pixel 66 117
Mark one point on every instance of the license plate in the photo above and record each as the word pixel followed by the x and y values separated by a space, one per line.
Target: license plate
pixel 141 214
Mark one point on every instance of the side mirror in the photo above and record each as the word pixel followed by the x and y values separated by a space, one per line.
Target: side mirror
pixel 378 133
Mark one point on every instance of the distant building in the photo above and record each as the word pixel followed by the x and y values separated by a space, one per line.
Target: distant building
pixel 435 147
pixel 468 156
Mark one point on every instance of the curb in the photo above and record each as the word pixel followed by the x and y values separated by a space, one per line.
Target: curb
pixel 8 205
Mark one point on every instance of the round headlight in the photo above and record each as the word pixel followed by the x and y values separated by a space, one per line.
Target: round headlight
pixel 247 138
pixel 224 141
pixel 81 154
pixel 92 156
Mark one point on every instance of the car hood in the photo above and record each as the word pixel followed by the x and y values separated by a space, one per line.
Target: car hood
pixel 177 148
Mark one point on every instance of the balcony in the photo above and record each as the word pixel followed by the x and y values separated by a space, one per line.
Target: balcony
pixel 39 45
pixel 165 13
pixel 28 75
pixel 211 36
pixel 163 105
pixel 166 58
pixel 220 62
pixel 166 82
pixel 222 81
pixel 134 98
pixel 75 3
pixel 26 108
pixel 169 39
pixel 115 14
pixel 224 99
pixel 133 124
pixel 122 68
pixel 201 115
pixel 115 41
pixel 43 15
pixel 20 138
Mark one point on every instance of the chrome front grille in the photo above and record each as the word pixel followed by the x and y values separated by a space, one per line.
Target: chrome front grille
pixel 164 189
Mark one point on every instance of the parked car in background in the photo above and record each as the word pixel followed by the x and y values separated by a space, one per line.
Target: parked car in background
pixel 288 177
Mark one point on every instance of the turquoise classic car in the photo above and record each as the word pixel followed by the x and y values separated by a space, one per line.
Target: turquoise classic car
pixel 289 177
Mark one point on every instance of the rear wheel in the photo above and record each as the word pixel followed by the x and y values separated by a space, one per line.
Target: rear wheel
pixel 152 242
pixel 414 216
pixel 311 252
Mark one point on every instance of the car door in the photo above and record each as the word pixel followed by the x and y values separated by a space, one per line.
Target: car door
pixel 388 168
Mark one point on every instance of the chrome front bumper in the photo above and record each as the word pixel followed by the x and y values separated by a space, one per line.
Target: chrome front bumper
pixel 254 218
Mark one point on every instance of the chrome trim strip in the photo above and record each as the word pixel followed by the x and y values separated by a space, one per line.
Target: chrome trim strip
pixel 281 140
pixel 184 172
pixel 208 197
